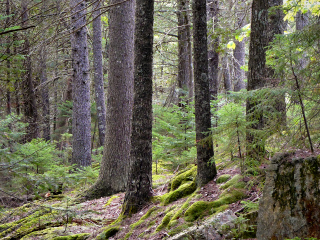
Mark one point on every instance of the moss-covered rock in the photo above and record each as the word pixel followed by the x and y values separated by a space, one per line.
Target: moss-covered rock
pixel 179 213
pixel 184 190
pixel 179 229
pixel 223 178
pixel 38 220
pixel 182 178
pixel 236 182
pixel 57 233
pixel 79 236
pixel 201 208
pixel 109 232
pixel 166 219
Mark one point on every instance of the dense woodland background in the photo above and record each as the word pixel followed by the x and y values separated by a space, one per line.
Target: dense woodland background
pixel 91 99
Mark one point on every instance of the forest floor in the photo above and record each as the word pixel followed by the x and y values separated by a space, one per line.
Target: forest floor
pixel 177 205
pixel 59 216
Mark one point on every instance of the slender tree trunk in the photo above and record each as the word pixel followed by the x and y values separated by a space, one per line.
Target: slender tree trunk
pixel 264 26
pixel 213 55
pixel 206 169
pixel 81 118
pixel 98 71
pixel 45 94
pixel 184 65
pixel 8 52
pixel 239 55
pixel 302 20
pixel 115 164
pixel 226 74
pixel 140 177
pixel 30 108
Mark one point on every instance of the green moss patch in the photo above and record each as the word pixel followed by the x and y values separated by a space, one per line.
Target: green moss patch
pixel 55 234
pixel 38 220
pixel 165 221
pixel 110 200
pixel 235 181
pixel 79 236
pixel 200 209
pixel 223 178
pixel 179 213
pixel 108 233
pixel 144 217
pixel 183 177
pixel 182 191
pixel 179 229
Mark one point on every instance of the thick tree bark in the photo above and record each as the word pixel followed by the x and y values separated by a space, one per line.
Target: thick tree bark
pixel 45 94
pixel 115 165
pixel 98 71
pixel 81 118
pixel 184 42
pixel 140 178
pixel 213 55
pixel 265 23
pixel 30 108
pixel 206 170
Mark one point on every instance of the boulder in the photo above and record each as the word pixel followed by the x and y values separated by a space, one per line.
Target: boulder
pixel 290 205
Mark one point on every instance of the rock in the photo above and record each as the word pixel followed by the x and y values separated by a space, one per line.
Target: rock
pixel 290 205
pixel 210 229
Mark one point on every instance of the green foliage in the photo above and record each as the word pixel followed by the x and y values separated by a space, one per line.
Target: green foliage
pixel 295 59
pixel 36 166
pixel 242 229
pixel 174 135
pixel 230 132
pixel 250 206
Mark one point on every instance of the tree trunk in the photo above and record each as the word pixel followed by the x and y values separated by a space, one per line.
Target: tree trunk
pixel 265 23
pixel 115 164
pixel 206 170
pixel 8 52
pixel 184 65
pixel 45 94
pixel 30 108
pixel 213 55
pixel 81 118
pixel 226 74
pixel 140 178
pixel 98 71
pixel 239 55
pixel 302 20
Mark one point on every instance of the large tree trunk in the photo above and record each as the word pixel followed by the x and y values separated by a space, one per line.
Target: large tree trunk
pixel 115 164
pixel 140 177
pixel 98 71
pixel 206 169
pixel 81 118
pixel 213 55
pixel 184 65
pixel 264 26
pixel 30 108
pixel 45 94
